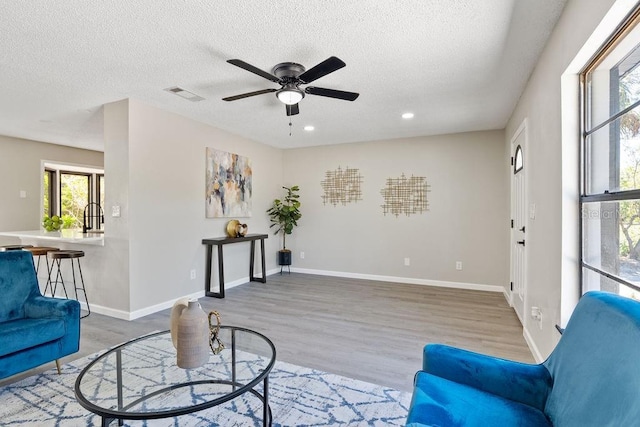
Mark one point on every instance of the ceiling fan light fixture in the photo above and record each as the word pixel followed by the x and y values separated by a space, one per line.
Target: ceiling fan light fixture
pixel 290 95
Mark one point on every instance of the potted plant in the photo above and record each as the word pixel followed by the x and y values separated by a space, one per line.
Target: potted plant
pixel 284 216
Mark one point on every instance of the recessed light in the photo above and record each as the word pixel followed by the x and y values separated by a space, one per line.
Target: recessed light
pixel 407 116
pixel 309 128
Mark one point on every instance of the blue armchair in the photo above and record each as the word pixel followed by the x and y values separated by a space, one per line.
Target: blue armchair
pixel 33 329
pixel 591 378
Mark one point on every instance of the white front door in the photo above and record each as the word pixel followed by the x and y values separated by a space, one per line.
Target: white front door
pixel 518 221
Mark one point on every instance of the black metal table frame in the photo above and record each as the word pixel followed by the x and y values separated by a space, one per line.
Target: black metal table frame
pixel 109 415
pixel 220 242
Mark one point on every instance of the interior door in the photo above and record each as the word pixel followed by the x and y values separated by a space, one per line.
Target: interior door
pixel 518 222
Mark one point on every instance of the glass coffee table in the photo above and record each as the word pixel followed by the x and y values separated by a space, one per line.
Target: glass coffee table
pixel 139 380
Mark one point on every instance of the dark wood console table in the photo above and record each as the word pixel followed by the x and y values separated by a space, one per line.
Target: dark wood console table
pixel 220 242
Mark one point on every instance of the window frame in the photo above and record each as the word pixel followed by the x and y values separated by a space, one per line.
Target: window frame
pixel 629 23
pixel 51 173
pixel 91 183
pixel 518 155
pixel 55 170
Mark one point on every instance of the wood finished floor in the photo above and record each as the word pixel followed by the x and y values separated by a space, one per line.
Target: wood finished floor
pixel 368 330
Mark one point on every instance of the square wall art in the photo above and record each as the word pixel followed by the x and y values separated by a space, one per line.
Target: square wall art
pixel 228 186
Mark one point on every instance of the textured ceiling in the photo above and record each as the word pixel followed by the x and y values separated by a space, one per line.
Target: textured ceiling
pixel 459 65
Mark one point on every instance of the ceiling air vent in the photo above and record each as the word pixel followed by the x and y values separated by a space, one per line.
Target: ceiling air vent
pixel 185 94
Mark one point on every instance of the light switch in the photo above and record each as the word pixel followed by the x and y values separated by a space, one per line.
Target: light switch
pixel 23 194
pixel 532 211
pixel 115 211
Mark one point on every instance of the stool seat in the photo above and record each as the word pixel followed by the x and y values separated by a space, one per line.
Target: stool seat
pixel 78 285
pixel 65 254
pixel 41 250
pixel 14 247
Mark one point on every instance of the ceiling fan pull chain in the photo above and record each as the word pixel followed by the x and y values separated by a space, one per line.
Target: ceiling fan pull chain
pixel 289 126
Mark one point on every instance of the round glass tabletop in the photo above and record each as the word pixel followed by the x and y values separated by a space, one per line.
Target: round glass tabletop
pixel 140 379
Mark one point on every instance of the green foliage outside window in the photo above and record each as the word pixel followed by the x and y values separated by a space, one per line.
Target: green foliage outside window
pixel 629 211
pixel 74 196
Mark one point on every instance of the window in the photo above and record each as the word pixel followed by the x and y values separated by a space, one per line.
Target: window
pixel 610 166
pixel 518 163
pixel 101 190
pixel 48 182
pixel 68 189
pixel 75 194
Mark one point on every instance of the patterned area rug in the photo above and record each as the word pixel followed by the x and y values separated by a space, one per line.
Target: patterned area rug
pixel 299 396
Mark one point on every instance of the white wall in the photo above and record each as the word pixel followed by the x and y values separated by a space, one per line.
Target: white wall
pixel 163 202
pixel 21 169
pixel 552 245
pixel 467 219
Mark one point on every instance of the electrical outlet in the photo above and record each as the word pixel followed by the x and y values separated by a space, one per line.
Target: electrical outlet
pixel 301 255
pixel 193 274
pixel 407 262
pixel 458 265
pixel 23 194
pixel 536 314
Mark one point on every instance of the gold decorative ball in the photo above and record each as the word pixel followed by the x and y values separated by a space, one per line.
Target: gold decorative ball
pixel 232 228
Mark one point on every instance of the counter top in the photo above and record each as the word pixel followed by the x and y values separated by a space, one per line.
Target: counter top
pixel 68 236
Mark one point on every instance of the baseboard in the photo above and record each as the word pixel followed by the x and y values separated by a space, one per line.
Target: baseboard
pixel 106 311
pixel 162 306
pixel 407 280
pixel 126 315
pixel 168 304
pixel 532 346
pixel 507 296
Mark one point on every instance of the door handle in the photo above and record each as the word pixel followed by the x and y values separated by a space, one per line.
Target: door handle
pixel 522 229
pixel 520 242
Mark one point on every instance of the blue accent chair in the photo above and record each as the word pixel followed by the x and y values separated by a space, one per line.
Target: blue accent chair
pixel 592 377
pixel 33 329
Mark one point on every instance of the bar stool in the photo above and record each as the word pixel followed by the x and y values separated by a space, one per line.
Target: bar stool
pixel 57 257
pixel 14 247
pixel 40 251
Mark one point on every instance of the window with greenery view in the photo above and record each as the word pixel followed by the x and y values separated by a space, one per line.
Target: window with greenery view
pixel 75 189
pixel 48 181
pixel 67 190
pixel 610 169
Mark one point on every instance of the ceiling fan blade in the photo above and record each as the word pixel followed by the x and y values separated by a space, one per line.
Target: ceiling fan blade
pixel 322 69
pixel 332 93
pixel 248 94
pixel 254 70
pixel 292 110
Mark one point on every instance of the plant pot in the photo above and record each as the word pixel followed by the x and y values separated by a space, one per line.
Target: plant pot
pixel 284 257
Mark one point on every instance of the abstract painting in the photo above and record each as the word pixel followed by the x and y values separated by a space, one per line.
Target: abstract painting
pixel 342 186
pixel 228 185
pixel 405 195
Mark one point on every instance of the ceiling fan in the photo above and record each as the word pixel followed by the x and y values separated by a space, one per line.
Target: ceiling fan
pixel 290 76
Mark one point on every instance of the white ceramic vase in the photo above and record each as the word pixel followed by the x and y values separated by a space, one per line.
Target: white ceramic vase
pixel 176 311
pixel 193 337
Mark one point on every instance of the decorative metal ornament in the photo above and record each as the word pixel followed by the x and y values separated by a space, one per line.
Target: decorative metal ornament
pixel 214 334
pixel 405 195
pixel 342 186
